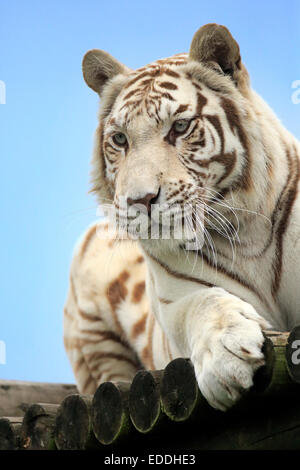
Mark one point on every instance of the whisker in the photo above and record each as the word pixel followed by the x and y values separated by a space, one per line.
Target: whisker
pixel 242 209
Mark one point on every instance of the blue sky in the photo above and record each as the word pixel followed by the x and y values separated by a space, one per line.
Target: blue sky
pixel 47 124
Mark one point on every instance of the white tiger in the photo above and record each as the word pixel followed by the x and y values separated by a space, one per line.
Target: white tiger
pixel 181 131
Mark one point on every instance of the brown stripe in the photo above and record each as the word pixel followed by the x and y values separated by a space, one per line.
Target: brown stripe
pixel 116 293
pixel 178 275
pixel 165 301
pixel 168 85
pixel 138 292
pixel 274 218
pixel 79 343
pixel 133 103
pixel 293 178
pixel 88 316
pixel 87 341
pixel 171 73
pixel 98 372
pixel 110 355
pixel 196 85
pixel 145 84
pixel 234 122
pixel 78 364
pixel 130 94
pixel 191 132
pixel 139 327
pixel 89 236
pixel 215 121
pixel 87 383
pixel 181 108
pixel 228 160
pixel 148 73
pixel 168 96
pixel 84 315
pixel 235 277
pixel 147 353
pixel 201 102
pixel 124 276
pixel 107 335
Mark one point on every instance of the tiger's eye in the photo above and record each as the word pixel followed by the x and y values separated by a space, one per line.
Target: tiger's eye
pixel 120 139
pixel 181 125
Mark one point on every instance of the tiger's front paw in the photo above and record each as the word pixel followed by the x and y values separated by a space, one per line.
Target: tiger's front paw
pixel 227 353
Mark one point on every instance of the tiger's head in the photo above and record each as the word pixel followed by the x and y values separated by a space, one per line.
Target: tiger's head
pixel 173 133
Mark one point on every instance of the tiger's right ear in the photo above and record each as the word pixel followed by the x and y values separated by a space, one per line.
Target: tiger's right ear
pixel 98 67
pixel 213 43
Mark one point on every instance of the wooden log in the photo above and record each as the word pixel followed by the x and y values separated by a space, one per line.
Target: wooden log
pixel 38 427
pixel 110 413
pixel 17 396
pixel 274 378
pixel 144 400
pixel 148 417
pixel 10 433
pixel 73 426
pixel 179 390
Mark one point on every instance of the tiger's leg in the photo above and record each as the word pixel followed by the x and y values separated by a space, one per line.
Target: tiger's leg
pixel 109 332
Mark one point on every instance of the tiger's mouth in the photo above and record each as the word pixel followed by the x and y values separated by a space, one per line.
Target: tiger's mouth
pixel 161 221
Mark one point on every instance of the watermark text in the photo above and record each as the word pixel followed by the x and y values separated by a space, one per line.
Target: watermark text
pixel 2 352
pixel 160 222
pixel 296 93
pixel 2 92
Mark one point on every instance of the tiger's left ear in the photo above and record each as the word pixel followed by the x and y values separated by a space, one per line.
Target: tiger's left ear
pixel 99 67
pixel 213 44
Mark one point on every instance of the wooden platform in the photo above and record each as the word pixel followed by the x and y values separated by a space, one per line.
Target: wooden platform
pixel 159 409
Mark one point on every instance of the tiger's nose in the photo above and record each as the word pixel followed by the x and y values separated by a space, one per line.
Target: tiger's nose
pixel 146 200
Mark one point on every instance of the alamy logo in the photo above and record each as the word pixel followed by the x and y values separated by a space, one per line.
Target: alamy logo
pixel 2 352
pixel 296 354
pixel 159 221
pixel 296 93
pixel 2 92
